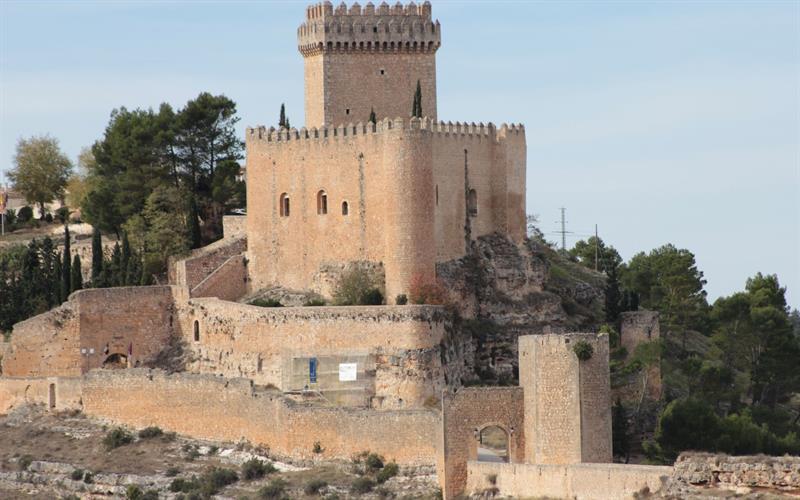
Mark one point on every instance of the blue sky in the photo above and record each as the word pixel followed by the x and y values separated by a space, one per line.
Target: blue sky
pixel 659 121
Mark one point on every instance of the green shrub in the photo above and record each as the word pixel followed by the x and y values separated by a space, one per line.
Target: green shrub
pixel 25 214
pixel 48 217
pixel 266 303
pixel 134 492
pixel 256 469
pixel 362 485
pixel 401 299
pixel 314 486
pixel 372 297
pixel 88 477
pixel 150 432
pixel 184 485
pixel 172 472
pixel 374 461
pixel 76 475
pixel 389 471
pixel 274 489
pixel 354 287
pixel 219 477
pixel 583 350
pixel 24 462
pixel 317 447
pixel 212 450
pixel 117 437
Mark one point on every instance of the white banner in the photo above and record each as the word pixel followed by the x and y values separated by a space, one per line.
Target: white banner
pixel 347 372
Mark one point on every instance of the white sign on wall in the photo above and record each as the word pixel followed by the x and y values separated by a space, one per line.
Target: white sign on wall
pixel 347 372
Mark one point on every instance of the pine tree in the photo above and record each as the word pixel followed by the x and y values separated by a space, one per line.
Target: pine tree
pixel 66 263
pixel 76 280
pixel 613 295
pixel 194 224
pixel 97 258
pixel 372 117
pixel 125 259
pixel 282 123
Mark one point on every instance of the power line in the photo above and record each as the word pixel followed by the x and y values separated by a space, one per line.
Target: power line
pixel 563 231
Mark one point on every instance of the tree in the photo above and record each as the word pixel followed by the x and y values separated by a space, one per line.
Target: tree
pixel 372 117
pixel 97 258
pixel 40 170
pixel 282 120
pixel 66 267
pixel 124 261
pixel 193 223
pixel 76 280
pixel 77 186
pixel 586 251
pixel 416 110
pixel 667 280
pixel 613 302
pixel 620 435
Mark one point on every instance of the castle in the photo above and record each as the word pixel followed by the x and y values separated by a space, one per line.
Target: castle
pixel 400 196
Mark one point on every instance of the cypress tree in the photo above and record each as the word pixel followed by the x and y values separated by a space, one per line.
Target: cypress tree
pixel 66 263
pixel 115 271
pixel 372 117
pixel 282 123
pixel 58 291
pixel 47 283
pixel 194 223
pixel 620 439
pixel 76 280
pixel 126 257
pixel 133 273
pixel 97 258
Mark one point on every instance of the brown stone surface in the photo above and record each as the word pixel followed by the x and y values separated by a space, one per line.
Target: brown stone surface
pixel 637 327
pixel 761 473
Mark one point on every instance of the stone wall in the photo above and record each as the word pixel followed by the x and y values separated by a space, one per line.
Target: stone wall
pixel 58 393
pixel 91 326
pixel 416 174
pixel 262 343
pixel 191 271
pixel 234 226
pixel 227 282
pixel 637 327
pixel 567 401
pixel 464 415
pixel 216 408
pixel 756 473
pixel 583 481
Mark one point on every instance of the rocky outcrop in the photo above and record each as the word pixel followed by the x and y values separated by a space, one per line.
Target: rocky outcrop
pixel 503 290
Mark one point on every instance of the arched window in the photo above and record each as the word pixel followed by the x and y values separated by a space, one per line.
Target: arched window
pixel 345 208
pixel 196 331
pixel 472 202
pixel 284 205
pixel 493 445
pixel 322 202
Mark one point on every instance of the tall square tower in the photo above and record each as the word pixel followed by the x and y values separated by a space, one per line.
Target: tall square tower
pixel 359 60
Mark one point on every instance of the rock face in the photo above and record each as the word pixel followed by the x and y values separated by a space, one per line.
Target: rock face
pixel 503 290
pixel 741 474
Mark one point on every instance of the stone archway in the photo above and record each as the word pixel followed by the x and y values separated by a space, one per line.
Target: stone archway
pixel 116 361
pixel 493 444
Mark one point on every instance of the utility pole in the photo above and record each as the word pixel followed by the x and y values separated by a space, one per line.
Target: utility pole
pixel 596 250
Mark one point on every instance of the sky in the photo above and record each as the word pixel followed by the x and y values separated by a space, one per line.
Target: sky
pixel 660 122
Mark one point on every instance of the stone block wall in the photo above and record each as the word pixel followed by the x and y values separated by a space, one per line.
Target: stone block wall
pixel 211 407
pixel 234 226
pixel 464 415
pixel 756 473
pixel 261 343
pixel 567 401
pixel 637 327
pixel 583 481
pixel 58 393
pixel 191 271
pixel 227 282
pixel 73 338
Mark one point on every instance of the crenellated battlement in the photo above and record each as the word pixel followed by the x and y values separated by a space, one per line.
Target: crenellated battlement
pixel 407 28
pixel 472 130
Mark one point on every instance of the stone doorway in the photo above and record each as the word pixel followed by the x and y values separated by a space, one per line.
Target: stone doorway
pixel 493 444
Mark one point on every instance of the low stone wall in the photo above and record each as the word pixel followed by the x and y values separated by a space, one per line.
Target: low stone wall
pixel 582 481
pixel 65 393
pixel 234 226
pixel 190 271
pixel 735 473
pixel 216 408
pixel 227 282
pixel 262 343
pixel 45 345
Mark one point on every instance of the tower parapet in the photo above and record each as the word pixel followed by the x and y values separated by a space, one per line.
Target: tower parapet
pixel 401 28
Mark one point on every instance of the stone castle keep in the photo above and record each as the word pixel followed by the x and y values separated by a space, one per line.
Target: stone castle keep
pixel 402 197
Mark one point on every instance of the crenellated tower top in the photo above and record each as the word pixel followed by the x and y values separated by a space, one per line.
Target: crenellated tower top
pixel 384 28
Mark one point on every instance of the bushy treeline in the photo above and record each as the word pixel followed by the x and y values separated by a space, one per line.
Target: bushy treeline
pixel 730 370
pixel 166 177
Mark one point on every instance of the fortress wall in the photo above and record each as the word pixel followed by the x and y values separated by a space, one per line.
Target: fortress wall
pixel 71 339
pixel 45 345
pixel 637 327
pixel 260 343
pixel 65 392
pixel 567 401
pixel 234 226
pixel 140 318
pixel 192 270
pixel 383 173
pixel 227 282
pixel 211 407
pixel 584 481
pixel 472 409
